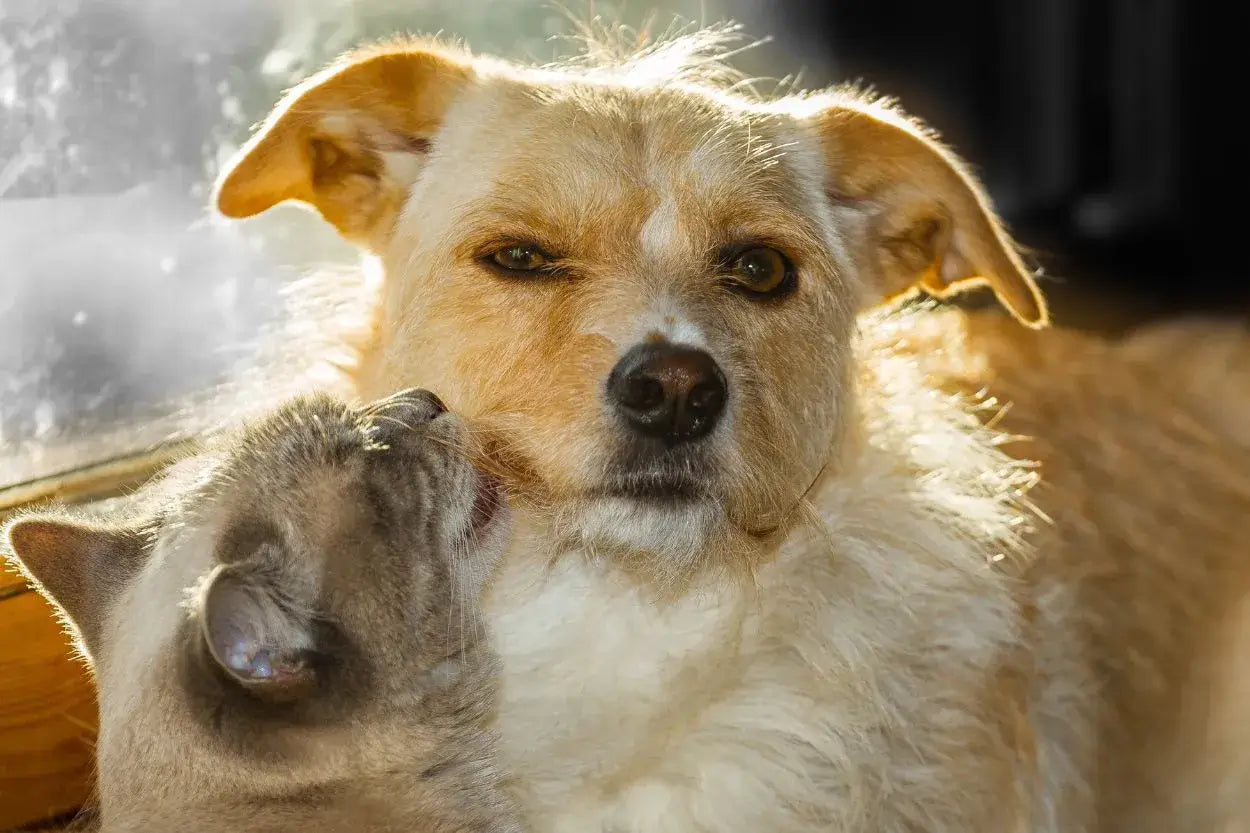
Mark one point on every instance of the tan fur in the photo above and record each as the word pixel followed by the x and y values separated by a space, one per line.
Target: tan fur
pixel 1148 503
pixel 1207 363
pixel 872 623
pixel 342 164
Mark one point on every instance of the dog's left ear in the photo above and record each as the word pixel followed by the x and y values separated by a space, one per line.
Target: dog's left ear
pixel 929 220
pixel 350 140
pixel 82 568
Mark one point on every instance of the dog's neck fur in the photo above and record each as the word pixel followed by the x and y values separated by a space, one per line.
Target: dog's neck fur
pixel 919 473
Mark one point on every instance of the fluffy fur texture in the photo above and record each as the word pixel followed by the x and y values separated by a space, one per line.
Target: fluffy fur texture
pixel 865 621
pixel 286 637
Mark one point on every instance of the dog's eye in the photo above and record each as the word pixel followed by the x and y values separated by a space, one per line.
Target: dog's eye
pixel 759 272
pixel 520 257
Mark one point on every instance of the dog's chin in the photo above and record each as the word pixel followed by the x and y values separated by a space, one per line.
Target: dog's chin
pixel 668 533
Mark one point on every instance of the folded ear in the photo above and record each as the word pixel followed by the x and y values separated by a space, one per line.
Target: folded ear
pixel 931 223
pixel 350 140
pixel 80 567
pixel 259 637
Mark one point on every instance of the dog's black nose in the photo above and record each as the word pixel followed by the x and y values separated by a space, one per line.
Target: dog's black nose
pixel 668 391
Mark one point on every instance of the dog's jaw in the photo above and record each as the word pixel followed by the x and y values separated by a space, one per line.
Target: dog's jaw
pixel 667 536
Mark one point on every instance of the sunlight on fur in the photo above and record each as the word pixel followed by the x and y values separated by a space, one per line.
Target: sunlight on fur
pixel 786 556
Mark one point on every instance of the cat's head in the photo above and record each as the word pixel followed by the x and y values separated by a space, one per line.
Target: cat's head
pixel 292 611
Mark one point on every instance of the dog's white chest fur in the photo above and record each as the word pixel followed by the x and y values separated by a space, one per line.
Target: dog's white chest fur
pixel 593 666
pixel 805 701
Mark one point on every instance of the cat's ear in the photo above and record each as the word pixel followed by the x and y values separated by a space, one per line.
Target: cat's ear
pixel 82 568
pixel 259 636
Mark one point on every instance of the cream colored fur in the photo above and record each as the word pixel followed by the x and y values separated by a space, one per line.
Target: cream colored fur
pixel 877 625
pixel 840 690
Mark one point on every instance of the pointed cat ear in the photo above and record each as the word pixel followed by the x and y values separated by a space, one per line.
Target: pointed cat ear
pixel 82 568
pixel 257 634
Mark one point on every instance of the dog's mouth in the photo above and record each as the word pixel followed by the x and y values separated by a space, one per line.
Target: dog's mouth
pixel 659 487
pixel 673 476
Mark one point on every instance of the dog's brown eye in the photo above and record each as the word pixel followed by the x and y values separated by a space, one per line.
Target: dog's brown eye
pixel 521 257
pixel 760 271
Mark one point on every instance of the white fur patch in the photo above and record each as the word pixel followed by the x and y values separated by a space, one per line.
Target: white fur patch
pixel 402 166
pixel 672 533
pixel 666 319
pixel 340 124
pixel 590 662
pixel 661 232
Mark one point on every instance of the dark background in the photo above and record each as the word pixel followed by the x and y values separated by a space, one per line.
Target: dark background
pixel 1105 130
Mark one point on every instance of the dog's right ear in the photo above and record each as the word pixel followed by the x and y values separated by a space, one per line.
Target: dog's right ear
pixel 80 567
pixel 350 140
pixel 931 224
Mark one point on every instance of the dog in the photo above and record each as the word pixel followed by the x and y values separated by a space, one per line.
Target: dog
pixel 788 555
pixel 286 637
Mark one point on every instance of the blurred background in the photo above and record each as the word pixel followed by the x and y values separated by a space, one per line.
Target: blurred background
pixel 1098 126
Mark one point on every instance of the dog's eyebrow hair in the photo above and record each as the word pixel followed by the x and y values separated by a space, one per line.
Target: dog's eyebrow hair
pixel 493 221
pixel 501 233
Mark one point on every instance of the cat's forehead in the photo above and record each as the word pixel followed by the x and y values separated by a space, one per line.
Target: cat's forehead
pixel 302 437
pixel 290 480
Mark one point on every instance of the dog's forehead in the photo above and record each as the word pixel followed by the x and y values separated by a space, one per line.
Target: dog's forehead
pixel 666 166
pixel 654 137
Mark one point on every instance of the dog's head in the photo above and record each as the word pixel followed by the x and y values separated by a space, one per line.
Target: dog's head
pixel 645 283
pixel 289 621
